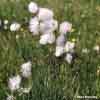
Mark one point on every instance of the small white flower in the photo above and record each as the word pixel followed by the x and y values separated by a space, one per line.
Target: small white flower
pixel 60 40
pixel 69 58
pixel 33 7
pixel 45 14
pixel 10 97
pixel 85 50
pixel 34 26
pixel 15 26
pixel 26 69
pixel 96 48
pixel 48 25
pixel 14 83
pixel 65 27
pixel 69 46
pixel 59 51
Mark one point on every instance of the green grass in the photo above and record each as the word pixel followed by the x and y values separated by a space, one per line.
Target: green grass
pixel 52 78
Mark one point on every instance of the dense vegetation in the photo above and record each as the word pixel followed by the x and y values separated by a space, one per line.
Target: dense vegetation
pixel 52 78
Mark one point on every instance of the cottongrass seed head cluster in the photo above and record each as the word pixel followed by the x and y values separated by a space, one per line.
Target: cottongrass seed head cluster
pixel 14 82
pixel 43 24
pixel 46 26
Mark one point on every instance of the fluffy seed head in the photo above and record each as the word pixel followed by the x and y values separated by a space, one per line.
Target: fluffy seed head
pixel 14 83
pixel 65 27
pixel 45 14
pixel 59 51
pixel 26 69
pixel 61 40
pixel 33 7
pixel 15 26
pixel 69 58
pixel 48 25
pixel 34 26
pixel 47 38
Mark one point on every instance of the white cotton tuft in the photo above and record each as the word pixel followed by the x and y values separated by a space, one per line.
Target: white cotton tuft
pixel 61 40
pixel 45 14
pixel 15 26
pixel 34 26
pixel 26 69
pixel 33 7
pixel 65 27
pixel 6 22
pixel 48 25
pixel 69 58
pixel 69 46
pixel 14 83
pixel 44 39
pixel 59 51
pixel 45 27
pixel 47 38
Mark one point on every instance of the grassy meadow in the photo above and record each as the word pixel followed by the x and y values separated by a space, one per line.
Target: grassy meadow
pixel 52 78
